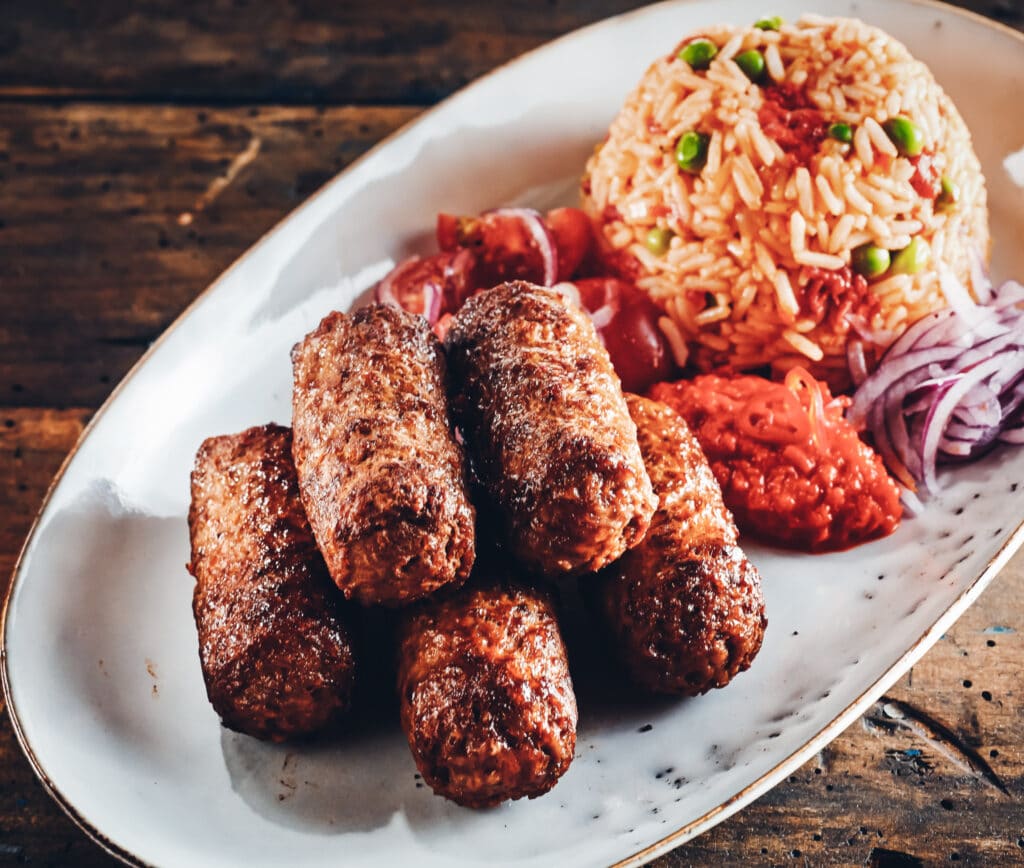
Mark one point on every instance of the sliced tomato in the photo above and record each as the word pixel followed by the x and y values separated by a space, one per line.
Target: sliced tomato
pixel 448 231
pixel 627 321
pixel 429 285
pixel 509 244
pixel 573 235
pixel 621 263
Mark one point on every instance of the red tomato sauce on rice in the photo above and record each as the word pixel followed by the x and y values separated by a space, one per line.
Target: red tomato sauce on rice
pixel 792 469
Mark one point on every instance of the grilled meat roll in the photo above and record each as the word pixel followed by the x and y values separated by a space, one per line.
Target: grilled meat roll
pixel 684 608
pixel 487 703
pixel 275 651
pixel 547 428
pixel 381 474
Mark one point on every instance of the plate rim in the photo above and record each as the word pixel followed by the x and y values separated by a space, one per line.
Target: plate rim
pixel 695 827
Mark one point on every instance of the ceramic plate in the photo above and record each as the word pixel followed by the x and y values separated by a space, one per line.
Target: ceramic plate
pixel 101 664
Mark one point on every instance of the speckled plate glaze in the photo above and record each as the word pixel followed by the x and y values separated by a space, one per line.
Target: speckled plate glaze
pixel 100 663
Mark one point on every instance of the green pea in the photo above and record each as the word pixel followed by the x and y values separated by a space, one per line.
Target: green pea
pixel 870 261
pixel 658 240
pixel 698 53
pixel 949 196
pixel 770 22
pixel 752 64
pixel 911 259
pixel 905 135
pixel 692 151
pixel 841 132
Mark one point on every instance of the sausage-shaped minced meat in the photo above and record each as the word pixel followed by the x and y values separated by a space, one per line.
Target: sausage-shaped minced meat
pixel 548 430
pixel 381 474
pixel 684 607
pixel 276 653
pixel 487 703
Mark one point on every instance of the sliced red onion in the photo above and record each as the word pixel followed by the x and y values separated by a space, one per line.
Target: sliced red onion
pixel 877 337
pixel 919 330
pixel 950 387
pixel 884 445
pixel 899 435
pixel 938 416
pixel 603 316
pixel 957 296
pixel 432 302
pixel 534 224
pixel 911 502
pixel 1014 398
pixel 1010 293
pixel 980 280
pixel 923 394
pixel 1006 339
pixel 886 376
pixel 426 288
pixel 985 415
pixel 384 291
pixel 958 450
pixel 970 433
pixel 569 292
pixel 857 362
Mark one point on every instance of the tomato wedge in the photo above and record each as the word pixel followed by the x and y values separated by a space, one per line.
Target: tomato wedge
pixel 627 321
pixel 509 244
pixel 573 234
pixel 518 244
pixel 444 322
pixel 429 285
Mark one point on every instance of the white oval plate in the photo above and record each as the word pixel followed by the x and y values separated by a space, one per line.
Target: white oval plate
pixel 101 667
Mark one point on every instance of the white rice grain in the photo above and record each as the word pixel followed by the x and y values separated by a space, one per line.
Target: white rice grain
pixel 755 219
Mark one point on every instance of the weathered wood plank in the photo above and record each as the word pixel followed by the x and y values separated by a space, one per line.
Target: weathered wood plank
pixel 227 51
pixel 33 444
pixel 94 261
pixel 881 787
pixel 232 51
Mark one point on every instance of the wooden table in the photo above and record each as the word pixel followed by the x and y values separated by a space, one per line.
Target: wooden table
pixel 143 149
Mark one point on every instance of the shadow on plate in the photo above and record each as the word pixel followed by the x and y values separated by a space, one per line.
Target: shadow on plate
pixel 359 778
pixel 115 627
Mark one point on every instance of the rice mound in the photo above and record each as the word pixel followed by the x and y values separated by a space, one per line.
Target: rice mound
pixel 758 269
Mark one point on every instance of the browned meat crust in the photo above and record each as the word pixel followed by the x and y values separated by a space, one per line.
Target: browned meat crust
pixel 685 606
pixel 486 699
pixel 548 429
pixel 382 478
pixel 275 652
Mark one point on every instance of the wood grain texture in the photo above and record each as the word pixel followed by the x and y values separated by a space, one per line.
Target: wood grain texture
pixel 230 52
pixel 94 263
pixel 234 51
pixel 118 118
